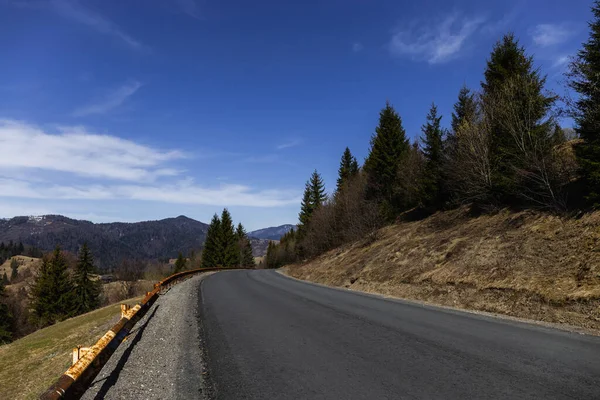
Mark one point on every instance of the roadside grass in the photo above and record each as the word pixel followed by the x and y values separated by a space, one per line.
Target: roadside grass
pixel 28 366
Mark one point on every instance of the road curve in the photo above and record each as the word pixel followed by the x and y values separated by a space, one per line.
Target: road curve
pixel 271 337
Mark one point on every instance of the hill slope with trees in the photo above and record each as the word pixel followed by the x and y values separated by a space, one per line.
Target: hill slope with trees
pixel 496 212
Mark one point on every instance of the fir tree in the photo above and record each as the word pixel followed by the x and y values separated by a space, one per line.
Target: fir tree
pixel 432 151
pixel 585 80
pixel 510 77
pixel 558 135
pixel 388 145
pixel 314 197
pixel 306 206
pixel 87 291
pixel 179 263
pixel 246 259
pixel 348 169
pixel 6 318
pixel 52 292
pixel 212 244
pixel 14 266
pixel 229 256
pixel 465 109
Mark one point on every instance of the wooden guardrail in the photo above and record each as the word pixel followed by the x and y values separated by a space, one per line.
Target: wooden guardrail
pixel 88 361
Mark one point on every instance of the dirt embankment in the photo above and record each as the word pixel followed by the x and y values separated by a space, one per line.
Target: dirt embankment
pixel 524 264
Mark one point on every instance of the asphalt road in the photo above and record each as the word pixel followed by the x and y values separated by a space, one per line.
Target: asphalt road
pixel 271 337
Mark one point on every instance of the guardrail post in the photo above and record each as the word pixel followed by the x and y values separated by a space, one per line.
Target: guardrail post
pixel 79 352
pixel 124 309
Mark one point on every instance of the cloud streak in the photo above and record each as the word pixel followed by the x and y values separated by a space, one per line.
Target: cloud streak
pixel 545 35
pixel 77 151
pixel 435 43
pixel 113 168
pixel 113 100
pixel 287 145
pixel 75 11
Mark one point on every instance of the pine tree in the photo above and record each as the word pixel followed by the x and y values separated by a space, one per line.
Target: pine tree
pixel 465 109
pixel 246 258
pixel 314 197
pixel 585 80
pixel 306 206
pixel 87 291
pixel 230 255
pixel 179 263
pixel 348 169
pixel 319 196
pixel 432 151
pixel 5 280
pixel 14 266
pixel 212 244
pixel 558 135
pixel 6 318
pixel 52 293
pixel 388 145
pixel 514 101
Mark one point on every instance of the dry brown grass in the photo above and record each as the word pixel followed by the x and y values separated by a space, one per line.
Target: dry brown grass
pixel 28 366
pixel 25 264
pixel 524 264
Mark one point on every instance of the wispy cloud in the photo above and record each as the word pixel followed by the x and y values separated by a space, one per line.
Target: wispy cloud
pixel 112 100
pixel 287 145
pixel 357 46
pixel 545 35
pixel 561 61
pixel 436 42
pixel 189 7
pixel 185 191
pixel 78 151
pixel 75 11
pixel 113 168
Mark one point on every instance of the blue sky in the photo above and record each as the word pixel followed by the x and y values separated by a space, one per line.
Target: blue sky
pixel 136 110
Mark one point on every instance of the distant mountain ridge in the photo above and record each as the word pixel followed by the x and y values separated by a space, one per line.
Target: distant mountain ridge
pixel 111 242
pixel 272 233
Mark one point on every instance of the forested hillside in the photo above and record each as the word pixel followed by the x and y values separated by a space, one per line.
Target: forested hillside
pixel 500 203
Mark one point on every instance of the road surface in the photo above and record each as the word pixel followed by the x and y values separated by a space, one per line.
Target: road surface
pixel 271 337
pixel 260 335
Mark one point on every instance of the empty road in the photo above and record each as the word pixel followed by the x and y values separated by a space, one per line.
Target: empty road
pixel 271 337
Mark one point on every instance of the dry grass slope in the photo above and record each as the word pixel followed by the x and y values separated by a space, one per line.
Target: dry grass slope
pixel 31 364
pixel 524 264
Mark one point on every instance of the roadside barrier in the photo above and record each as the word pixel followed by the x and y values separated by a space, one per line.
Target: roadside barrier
pixel 88 361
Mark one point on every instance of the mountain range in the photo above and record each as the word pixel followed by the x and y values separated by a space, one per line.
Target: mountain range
pixel 113 242
pixel 272 233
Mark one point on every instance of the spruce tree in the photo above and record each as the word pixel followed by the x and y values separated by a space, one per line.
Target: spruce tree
pixel 388 145
pixel 432 151
pixel 6 318
pixel 14 266
pixel 5 280
pixel 229 255
pixel 585 80
pixel 465 109
pixel 314 197
pixel 179 263
pixel 212 245
pixel 87 290
pixel 348 169
pixel 306 206
pixel 512 84
pixel 52 291
pixel 246 259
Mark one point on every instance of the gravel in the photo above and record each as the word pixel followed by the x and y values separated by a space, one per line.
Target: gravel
pixel 162 356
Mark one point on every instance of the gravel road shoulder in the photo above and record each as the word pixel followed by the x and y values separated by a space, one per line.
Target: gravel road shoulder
pixel 162 357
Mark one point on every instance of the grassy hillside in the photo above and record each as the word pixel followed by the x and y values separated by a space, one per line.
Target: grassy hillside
pixel 523 264
pixel 28 366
